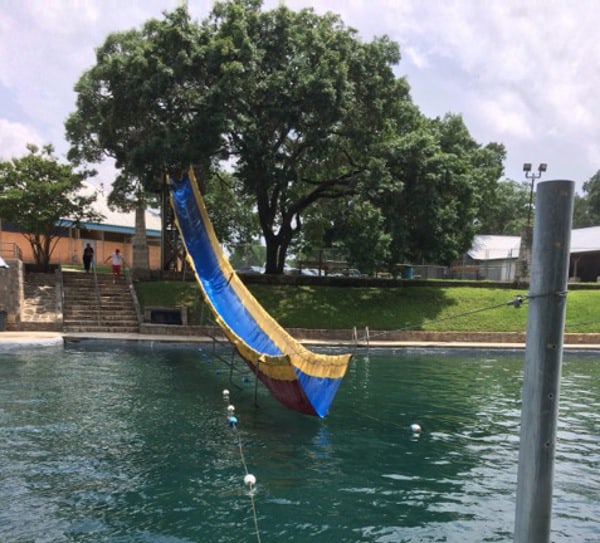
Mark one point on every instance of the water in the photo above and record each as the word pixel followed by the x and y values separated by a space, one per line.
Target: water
pixel 108 443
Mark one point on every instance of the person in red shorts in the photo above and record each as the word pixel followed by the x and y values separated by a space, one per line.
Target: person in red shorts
pixel 117 261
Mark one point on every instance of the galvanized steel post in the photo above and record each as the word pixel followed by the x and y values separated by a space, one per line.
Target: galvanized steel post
pixel 543 360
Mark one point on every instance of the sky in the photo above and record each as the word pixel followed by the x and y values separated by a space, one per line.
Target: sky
pixel 523 73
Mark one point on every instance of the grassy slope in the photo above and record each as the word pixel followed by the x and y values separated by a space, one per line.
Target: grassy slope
pixel 428 308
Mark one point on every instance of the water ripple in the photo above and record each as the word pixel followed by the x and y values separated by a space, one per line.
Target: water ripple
pixel 119 445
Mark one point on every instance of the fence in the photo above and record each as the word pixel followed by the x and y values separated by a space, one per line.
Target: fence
pixel 10 250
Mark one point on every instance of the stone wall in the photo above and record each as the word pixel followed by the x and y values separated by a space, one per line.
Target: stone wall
pixel 11 291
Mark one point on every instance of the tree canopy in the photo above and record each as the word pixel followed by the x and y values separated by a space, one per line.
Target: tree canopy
pixel 587 207
pixel 39 195
pixel 437 183
pixel 303 113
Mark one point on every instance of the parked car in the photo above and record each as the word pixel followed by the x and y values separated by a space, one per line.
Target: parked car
pixel 250 270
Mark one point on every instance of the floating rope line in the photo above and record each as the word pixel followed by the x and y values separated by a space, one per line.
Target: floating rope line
pixel 249 478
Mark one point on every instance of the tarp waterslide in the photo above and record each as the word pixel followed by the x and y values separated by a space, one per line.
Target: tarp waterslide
pixel 299 378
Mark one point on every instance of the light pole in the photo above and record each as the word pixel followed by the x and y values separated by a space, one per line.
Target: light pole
pixel 527 237
pixel 533 176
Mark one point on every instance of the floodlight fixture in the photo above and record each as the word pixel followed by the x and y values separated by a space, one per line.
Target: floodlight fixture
pixel 533 176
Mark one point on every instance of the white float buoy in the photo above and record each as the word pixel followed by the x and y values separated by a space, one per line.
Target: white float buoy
pixel 250 480
pixel 415 428
pixel 230 409
pixel 225 394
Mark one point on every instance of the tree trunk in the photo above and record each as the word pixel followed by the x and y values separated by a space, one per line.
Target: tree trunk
pixel 271 263
pixel 277 247
pixel 140 268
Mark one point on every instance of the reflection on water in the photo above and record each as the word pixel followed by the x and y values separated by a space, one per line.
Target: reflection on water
pixel 116 444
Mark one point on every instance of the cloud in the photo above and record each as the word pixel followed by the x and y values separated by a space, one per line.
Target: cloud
pixel 521 73
pixel 46 46
pixel 14 138
pixel 506 114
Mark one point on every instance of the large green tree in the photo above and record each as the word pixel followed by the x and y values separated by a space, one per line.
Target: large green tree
pixel 311 113
pixel 40 196
pixel 138 106
pixel 591 192
pixel 295 103
pixel 505 212
pixel 147 102
pixel 307 117
pixel 436 183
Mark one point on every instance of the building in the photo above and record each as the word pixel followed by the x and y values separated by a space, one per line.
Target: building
pixel 584 263
pixel 114 231
pixel 495 257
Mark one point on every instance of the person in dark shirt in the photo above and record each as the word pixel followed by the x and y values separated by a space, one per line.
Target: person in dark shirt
pixel 88 257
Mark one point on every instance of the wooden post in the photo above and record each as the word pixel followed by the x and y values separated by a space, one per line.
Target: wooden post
pixel 543 359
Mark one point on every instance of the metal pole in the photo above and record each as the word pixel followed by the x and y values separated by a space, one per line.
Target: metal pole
pixel 543 359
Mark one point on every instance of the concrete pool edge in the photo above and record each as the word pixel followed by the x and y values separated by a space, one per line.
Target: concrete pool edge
pixel 20 340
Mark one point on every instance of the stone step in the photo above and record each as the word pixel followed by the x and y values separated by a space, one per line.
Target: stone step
pixel 38 326
pixel 93 308
pixel 100 330
pixel 83 279
pixel 112 315
pixel 106 329
pixel 81 312
pixel 119 315
pixel 100 322
pixel 124 301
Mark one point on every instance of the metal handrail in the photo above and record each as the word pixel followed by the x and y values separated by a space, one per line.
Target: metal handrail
pixel 11 250
pixel 97 292
pixel 136 303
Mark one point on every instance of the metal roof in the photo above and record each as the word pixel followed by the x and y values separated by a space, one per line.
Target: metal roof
pixel 495 247
pixel 117 221
pixel 583 240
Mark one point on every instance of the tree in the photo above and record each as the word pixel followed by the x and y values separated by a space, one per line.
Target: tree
pixel 505 211
pixel 310 107
pixel 441 177
pixel 147 102
pixel 581 213
pixel 364 237
pixel 140 104
pixel 40 196
pixel 238 226
pixel 434 184
pixel 293 100
pixel 303 112
pixel 591 189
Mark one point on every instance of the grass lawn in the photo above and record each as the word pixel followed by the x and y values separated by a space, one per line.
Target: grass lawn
pixel 421 307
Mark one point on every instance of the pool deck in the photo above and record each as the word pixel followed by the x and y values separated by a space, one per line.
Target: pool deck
pixel 19 340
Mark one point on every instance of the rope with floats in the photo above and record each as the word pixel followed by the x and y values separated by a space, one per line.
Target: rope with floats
pixel 249 478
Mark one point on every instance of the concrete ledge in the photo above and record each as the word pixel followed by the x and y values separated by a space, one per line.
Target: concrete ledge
pixel 329 338
pixel 10 341
pixel 419 336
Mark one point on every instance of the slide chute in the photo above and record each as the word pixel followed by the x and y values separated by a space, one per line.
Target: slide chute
pixel 299 378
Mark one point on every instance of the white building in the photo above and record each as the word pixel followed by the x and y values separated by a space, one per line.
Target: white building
pixel 496 256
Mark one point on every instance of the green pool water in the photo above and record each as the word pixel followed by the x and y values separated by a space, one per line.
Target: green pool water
pixel 111 443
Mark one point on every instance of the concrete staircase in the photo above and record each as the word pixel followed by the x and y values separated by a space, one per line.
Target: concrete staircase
pixel 41 305
pixel 108 308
